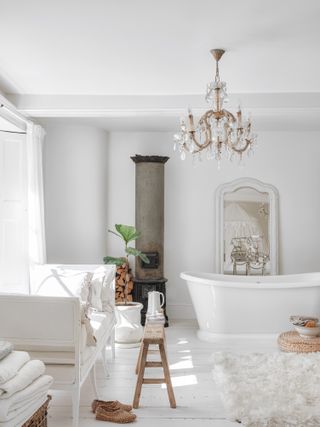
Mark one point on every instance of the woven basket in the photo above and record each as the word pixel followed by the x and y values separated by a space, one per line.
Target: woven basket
pixel 292 342
pixel 39 418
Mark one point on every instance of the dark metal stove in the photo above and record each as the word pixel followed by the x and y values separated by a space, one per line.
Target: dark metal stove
pixel 140 294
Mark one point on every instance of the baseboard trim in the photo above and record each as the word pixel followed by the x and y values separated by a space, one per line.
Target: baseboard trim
pixel 214 337
pixel 180 311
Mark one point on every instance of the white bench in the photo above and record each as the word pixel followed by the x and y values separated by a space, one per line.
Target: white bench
pixel 50 329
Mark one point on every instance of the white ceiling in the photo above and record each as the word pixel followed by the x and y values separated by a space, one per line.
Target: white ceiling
pixel 118 48
pixel 158 47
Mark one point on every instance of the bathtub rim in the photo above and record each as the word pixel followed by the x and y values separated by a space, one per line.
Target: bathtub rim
pixel 302 280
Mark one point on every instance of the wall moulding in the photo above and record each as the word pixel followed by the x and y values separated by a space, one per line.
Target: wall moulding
pixel 170 105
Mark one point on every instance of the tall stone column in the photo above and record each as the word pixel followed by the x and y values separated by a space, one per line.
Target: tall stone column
pixel 150 222
pixel 150 214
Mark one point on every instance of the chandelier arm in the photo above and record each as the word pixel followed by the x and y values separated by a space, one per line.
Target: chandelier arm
pixel 208 129
pixel 240 150
pixel 200 146
pixel 203 120
pixel 194 139
pixel 228 115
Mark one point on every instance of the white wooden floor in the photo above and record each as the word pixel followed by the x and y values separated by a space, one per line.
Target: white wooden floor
pixel 198 401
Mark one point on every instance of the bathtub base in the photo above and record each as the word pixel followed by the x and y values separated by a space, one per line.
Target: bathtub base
pixel 214 337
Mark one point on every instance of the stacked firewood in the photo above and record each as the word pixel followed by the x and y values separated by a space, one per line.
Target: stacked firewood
pixel 121 278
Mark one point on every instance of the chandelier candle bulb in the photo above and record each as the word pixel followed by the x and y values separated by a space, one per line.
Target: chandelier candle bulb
pixel 239 117
pixel 191 122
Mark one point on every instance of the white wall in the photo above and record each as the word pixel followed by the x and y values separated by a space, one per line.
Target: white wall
pixel 75 171
pixel 290 161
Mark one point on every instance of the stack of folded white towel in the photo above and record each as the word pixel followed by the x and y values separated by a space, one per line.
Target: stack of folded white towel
pixel 23 385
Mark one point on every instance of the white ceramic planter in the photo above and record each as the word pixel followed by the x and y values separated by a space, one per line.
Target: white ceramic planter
pixel 129 330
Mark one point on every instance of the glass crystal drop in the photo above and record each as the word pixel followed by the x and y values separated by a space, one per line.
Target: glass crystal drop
pixel 183 155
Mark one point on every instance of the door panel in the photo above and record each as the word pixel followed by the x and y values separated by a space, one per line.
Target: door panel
pixel 13 214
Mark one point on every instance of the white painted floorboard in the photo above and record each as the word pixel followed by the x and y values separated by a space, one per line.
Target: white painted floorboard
pixel 198 401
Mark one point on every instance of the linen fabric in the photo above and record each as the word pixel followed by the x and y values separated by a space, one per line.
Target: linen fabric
pixel 15 404
pixel 10 365
pixel 19 417
pixel 29 372
pixel 5 349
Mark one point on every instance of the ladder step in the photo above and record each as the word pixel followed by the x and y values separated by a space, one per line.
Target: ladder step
pixel 154 381
pixel 153 364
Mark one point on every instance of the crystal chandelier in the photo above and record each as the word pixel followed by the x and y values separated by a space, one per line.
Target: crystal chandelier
pixel 218 131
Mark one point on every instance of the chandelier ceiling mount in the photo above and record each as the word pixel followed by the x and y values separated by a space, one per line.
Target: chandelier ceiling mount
pixel 217 53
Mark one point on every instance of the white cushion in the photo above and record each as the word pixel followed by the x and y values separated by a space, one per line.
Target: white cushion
pixel 108 293
pixel 91 283
pixel 58 281
pixel 102 289
pixel 95 291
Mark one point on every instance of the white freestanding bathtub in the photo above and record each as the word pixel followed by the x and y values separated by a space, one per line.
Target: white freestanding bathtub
pixel 228 305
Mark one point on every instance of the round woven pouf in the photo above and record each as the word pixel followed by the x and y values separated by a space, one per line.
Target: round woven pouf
pixel 291 341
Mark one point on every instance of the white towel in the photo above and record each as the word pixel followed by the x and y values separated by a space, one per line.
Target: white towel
pixel 10 365
pixel 25 376
pixel 5 349
pixel 13 405
pixel 19 417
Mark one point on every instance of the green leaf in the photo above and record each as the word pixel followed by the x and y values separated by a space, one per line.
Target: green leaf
pixel 136 252
pixel 144 258
pixel 114 260
pixel 128 232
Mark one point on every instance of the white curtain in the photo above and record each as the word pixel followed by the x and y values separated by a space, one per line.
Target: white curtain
pixel 36 225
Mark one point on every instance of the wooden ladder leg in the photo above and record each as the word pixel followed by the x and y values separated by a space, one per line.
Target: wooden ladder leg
pixel 167 376
pixel 142 366
pixel 139 359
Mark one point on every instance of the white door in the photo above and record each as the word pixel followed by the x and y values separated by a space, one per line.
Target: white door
pixel 13 214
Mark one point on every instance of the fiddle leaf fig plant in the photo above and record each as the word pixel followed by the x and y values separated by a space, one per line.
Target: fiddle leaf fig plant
pixel 127 233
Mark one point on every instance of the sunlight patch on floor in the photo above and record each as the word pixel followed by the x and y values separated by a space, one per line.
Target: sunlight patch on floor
pixel 183 364
pixel 182 381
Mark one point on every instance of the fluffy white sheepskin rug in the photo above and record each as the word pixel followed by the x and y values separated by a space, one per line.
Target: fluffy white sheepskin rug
pixel 270 390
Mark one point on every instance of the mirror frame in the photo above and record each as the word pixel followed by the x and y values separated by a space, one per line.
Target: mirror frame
pixel 273 219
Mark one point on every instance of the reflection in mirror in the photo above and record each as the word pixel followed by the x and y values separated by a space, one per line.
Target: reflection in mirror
pixel 246 232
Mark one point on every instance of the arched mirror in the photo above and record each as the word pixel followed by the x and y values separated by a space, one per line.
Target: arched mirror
pixel 247 228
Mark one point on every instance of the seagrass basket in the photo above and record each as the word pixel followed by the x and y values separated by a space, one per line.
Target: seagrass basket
pixel 39 418
pixel 291 341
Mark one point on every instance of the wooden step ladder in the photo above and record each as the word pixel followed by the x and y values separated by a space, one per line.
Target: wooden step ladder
pixel 153 334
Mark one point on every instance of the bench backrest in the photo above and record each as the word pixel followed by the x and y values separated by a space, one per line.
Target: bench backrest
pixel 40 323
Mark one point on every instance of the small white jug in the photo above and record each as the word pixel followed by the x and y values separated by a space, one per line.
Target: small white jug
pixel 155 303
